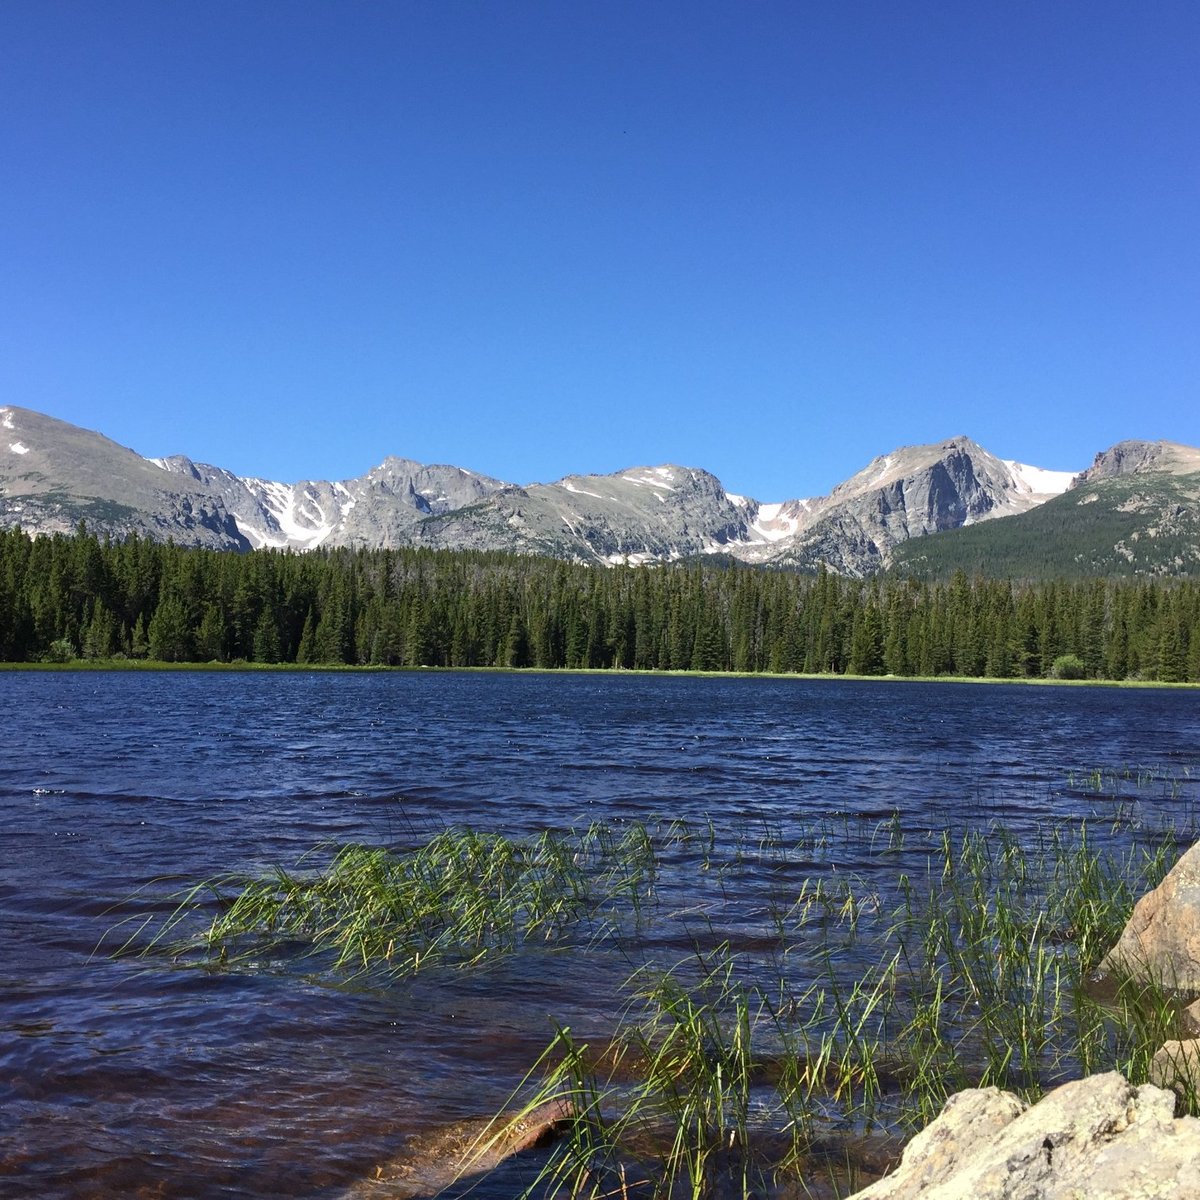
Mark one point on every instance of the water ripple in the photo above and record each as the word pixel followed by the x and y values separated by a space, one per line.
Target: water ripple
pixel 117 791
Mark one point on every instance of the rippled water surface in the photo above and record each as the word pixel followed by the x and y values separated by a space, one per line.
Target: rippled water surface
pixel 134 1077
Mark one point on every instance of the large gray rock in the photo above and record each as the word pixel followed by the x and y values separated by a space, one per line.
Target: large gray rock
pixel 1161 942
pixel 1094 1139
pixel 1189 1019
pixel 1176 1065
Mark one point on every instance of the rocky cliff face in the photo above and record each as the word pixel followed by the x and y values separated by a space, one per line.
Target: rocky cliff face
pixel 1140 458
pixel 381 508
pixel 640 515
pixel 913 491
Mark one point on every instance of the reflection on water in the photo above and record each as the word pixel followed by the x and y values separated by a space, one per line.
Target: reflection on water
pixel 136 1078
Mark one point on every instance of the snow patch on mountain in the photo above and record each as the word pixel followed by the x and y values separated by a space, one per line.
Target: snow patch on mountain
pixel 639 558
pixel 884 467
pixel 568 486
pixel 1037 481
pixel 300 520
pixel 655 477
pixel 6 418
pixel 773 523
pixel 19 448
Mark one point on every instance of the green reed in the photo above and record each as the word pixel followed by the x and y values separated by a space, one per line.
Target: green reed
pixel 461 896
pixel 980 974
pixel 863 1003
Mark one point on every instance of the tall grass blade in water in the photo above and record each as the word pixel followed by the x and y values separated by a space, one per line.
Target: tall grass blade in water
pixel 720 1080
pixel 458 898
pixel 855 1003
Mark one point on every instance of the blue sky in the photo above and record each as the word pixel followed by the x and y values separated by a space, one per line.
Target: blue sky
pixel 770 239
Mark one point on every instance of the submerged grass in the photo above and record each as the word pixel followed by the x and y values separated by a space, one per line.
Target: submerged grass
pixel 981 974
pixel 458 898
pixel 816 1006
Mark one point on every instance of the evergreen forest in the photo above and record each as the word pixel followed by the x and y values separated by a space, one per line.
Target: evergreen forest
pixel 69 597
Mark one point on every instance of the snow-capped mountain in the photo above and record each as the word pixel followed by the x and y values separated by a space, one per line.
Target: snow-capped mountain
pixel 53 474
pixel 378 509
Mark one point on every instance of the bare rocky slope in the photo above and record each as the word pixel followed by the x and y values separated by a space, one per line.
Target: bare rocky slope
pixel 1135 511
pixel 52 475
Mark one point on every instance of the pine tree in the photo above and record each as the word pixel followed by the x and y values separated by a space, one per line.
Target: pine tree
pixel 210 637
pixel 170 640
pixel 306 652
pixel 266 640
pixel 101 638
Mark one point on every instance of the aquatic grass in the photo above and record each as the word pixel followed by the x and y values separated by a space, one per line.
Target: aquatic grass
pixel 669 1108
pixel 458 898
pixel 709 1087
pixel 982 975
pixel 1000 948
pixel 817 1005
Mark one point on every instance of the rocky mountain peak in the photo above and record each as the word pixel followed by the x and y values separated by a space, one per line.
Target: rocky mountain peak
pixel 53 474
pixel 1133 457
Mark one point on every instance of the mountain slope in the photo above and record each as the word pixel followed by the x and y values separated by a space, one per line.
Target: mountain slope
pixel 381 508
pixel 669 512
pixel 927 508
pixel 1136 510
pixel 639 515
pixel 910 493
pixel 54 475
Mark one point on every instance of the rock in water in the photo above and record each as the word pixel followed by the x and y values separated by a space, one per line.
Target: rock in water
pixel 1189 1019
pixel 451 1161
pixel 1161 943
pixel 1098 1138
pixel 1177 1066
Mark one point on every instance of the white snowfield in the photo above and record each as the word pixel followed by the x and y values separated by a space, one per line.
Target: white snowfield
pixel 1038 481
pixel 303 522
pixel 18 448
pixel 6 418
pixel 637 559
pixel 655 477
pixel 570 487
pixel 773 525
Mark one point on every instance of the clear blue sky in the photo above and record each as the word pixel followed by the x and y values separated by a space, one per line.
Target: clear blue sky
pixel 772 239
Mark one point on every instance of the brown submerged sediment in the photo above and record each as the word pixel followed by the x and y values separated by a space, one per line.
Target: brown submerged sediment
pixel 466 1150
pixel 464 1153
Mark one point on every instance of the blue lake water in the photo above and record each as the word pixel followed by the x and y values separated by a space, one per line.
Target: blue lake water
pixel 136 1077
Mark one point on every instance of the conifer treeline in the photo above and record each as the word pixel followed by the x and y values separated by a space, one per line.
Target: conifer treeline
pixel 78 596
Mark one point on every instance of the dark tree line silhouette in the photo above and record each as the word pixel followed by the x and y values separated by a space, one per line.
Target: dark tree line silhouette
pixel 81 596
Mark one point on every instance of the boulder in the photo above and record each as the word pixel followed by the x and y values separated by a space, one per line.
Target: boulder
pixel 1161 942
pixel 1189 1019
pixel 1177 1066
pixel 1098 1138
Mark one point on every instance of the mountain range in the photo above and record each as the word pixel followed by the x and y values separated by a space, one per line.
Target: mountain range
pixel 1144 494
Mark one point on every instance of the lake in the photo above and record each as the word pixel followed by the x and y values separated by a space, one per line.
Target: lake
pixel 142 1077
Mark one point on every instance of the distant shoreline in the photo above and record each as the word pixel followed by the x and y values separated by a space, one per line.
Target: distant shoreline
pixel 149 665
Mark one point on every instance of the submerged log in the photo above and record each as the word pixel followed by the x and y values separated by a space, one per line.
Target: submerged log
pixel 433 1163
